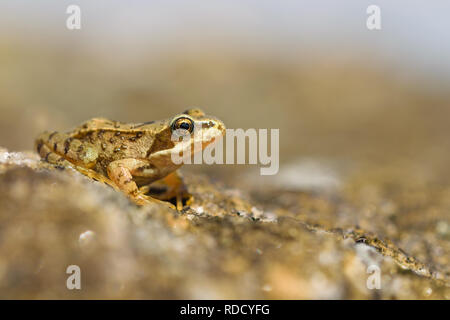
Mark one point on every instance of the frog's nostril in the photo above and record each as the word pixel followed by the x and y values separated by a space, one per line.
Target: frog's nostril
pixel 208 124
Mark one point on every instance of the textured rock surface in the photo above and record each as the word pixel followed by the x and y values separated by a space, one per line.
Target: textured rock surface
pixel 233 242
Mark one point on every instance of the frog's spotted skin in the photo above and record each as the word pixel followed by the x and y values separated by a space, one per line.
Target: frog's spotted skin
pixel 129 157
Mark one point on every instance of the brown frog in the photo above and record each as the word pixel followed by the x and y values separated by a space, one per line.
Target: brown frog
pixel 132 157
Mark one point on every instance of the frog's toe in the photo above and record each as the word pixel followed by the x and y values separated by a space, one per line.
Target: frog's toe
pixel 175 200
pixel 142 199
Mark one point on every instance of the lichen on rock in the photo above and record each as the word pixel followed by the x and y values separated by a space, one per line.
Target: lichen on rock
pixel 230 243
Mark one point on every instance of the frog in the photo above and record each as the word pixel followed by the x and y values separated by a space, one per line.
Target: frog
pixel 134 158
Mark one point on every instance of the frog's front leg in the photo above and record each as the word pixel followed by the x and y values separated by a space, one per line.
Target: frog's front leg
pixel 120 172
pixel 174 189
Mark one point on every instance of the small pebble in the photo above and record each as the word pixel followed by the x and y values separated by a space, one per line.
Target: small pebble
pixel 86 238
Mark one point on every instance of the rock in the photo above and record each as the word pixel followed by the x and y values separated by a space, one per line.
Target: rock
pixel 229 244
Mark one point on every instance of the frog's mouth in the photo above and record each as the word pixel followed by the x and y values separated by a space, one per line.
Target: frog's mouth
pixel 210 132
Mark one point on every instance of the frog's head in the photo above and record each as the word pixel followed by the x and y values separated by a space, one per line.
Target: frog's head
pixel 184 135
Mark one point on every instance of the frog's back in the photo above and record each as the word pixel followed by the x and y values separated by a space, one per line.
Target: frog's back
pixel 98 124
pixel 114 140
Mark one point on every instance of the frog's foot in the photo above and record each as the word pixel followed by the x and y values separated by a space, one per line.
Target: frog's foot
pixel 142 199
pixel 97 177
pixel 137 197
pixel 171 188
pixel 120 175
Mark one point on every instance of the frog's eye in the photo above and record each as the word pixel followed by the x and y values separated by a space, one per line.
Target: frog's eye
pixel 183 123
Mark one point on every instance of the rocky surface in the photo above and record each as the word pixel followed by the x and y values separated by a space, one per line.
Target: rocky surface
pixel 234 242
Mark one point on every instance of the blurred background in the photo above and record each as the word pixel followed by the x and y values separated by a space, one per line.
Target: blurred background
pixel 337 91
pixel 364 145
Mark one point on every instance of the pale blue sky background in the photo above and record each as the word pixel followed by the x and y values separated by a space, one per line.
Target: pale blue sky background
pixel 415 34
